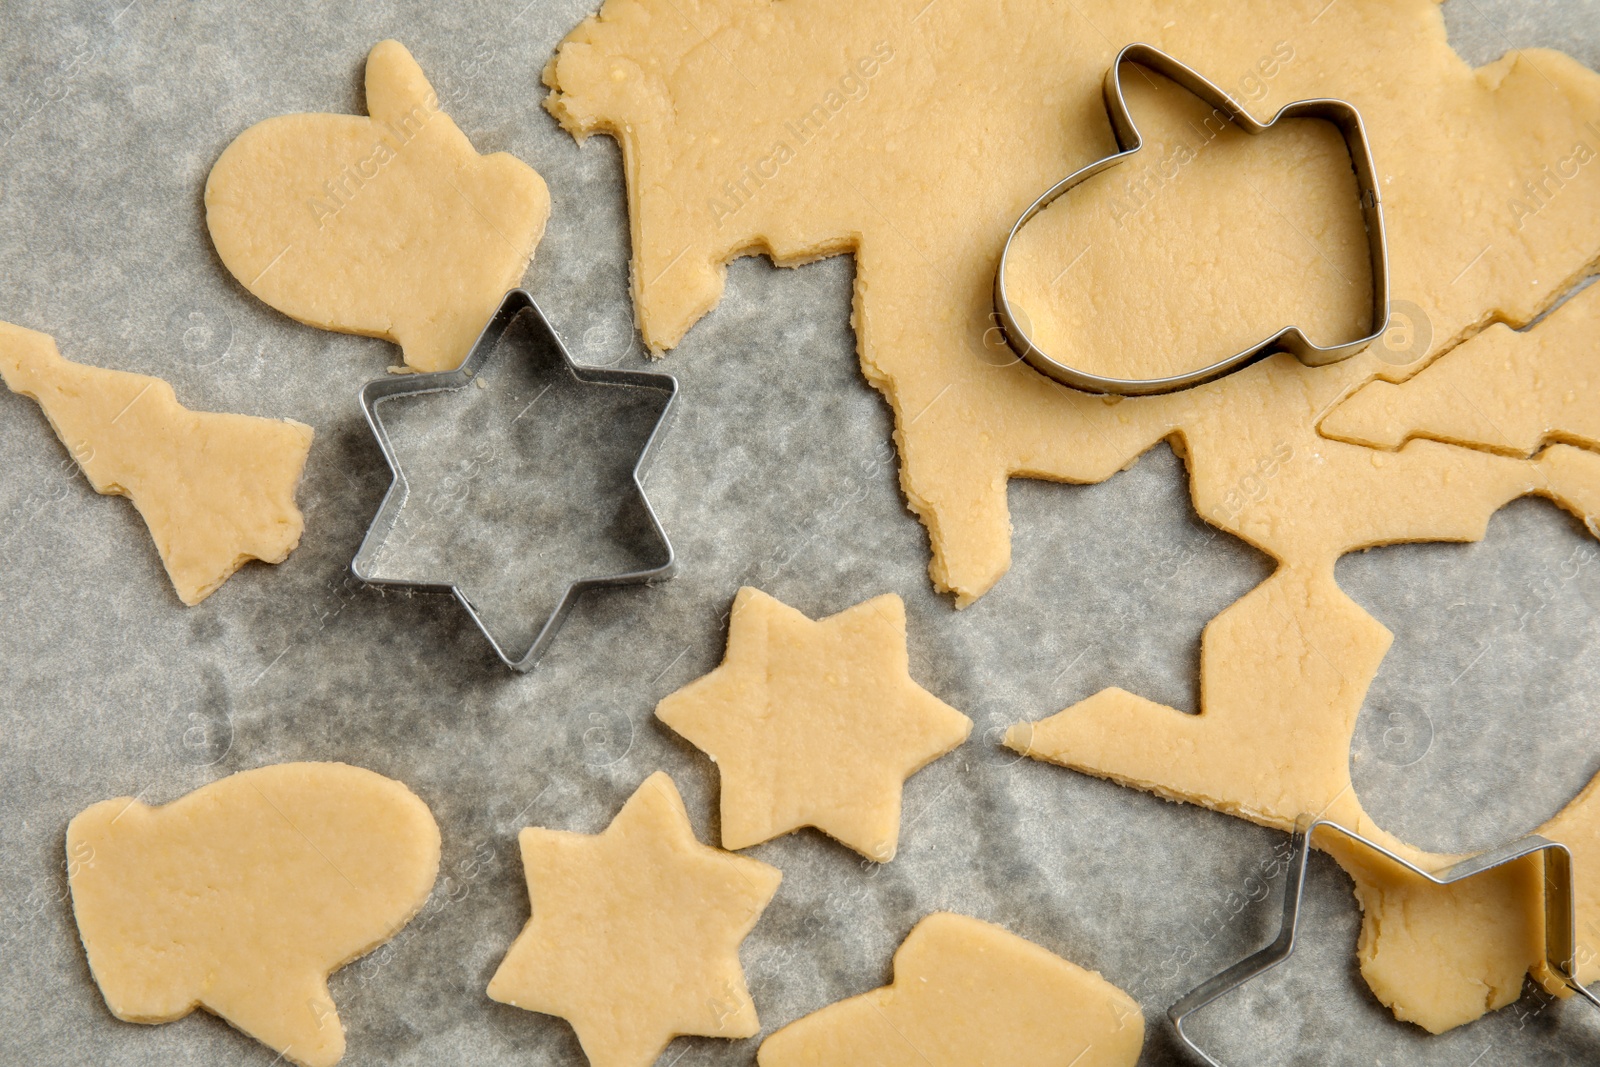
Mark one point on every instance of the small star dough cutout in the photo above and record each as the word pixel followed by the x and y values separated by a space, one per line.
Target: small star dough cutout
pixel 967 993
pixel 390 226
pixel 215 490
pixel 814 723
pixel 635 932
pixel 242 897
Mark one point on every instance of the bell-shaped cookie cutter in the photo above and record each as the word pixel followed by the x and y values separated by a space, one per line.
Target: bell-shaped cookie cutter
pixel 1560 932
pixel 375 392
pixel 1129 141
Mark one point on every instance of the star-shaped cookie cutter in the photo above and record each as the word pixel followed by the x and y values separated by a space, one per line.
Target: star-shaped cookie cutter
pixel 1560 935
pixel 1129 141
pixel 376 392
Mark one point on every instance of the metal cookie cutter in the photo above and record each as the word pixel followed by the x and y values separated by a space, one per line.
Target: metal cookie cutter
pixel 383 523
pixel 1560 938
pixel 1129 141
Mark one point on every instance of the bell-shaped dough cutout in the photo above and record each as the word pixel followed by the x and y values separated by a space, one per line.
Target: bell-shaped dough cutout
pixel 390 226
pixel 242 897
pixel 216 490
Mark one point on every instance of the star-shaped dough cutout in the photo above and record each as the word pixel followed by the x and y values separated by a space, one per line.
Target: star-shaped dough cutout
pixel 635 932
pixel 968 992
pixel 814 723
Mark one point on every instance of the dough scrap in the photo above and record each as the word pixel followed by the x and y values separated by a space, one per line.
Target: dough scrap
pixel 635 932
pixel 879 130
pixel 390 226
pixel 1503 390
pixel 968 992
pixel 243 896
pixel 814 723
pixel 215 490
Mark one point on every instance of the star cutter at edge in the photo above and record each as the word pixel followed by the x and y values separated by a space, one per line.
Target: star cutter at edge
pixel 375 392
pixel 1560 946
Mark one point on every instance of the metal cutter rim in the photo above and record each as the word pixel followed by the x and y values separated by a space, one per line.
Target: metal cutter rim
pixel 1129 141
pixel 375 392
pixel 1560 908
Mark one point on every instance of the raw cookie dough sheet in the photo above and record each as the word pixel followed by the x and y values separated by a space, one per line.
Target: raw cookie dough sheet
pixel 1482 722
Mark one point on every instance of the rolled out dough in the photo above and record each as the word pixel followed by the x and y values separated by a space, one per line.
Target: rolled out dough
pixel 216 491
pixel 814 723
pixel 913 135
pixel 242 897
pixel 390 226
pixel 967 992
pixel 635 932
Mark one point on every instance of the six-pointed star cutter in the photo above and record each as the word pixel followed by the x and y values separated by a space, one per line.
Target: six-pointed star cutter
pixel 1014 321
pixel 376 392
pixel 1560 934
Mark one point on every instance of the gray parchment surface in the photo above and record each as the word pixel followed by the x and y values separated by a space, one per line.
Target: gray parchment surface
pixel 1481 723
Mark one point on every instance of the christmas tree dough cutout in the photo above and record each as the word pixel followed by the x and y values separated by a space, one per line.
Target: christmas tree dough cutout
pixel 967 992
pixel 814 723
pixel 1502 390
pixel 215 490
pixel 243 896
pixel 635 932
pixel 391 226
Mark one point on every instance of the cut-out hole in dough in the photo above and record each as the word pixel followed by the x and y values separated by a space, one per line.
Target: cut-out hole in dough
pixel 1478 726
pixel 1159 572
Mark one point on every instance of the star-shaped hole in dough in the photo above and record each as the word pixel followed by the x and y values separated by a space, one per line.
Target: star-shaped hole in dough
pixel 814 723
pixel 635 932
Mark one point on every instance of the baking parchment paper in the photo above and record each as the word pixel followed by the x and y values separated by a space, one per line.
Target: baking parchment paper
pixel 1481 723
